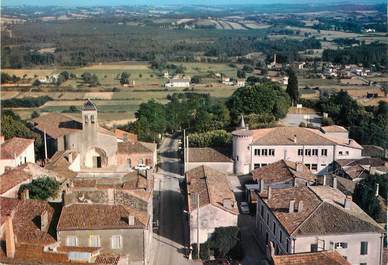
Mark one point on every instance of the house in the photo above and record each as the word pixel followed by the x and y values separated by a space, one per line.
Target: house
pixel 317 218
pixel 97 147
pixel 124 136
pixel 116 229
pixel 274 65
pixel 226 81
pixel 240 82
pixel 15 152
pixel 358 169
pixel 316 149
pixel 210 200
pixel 27 233
pixel 209 157
pixel 179 82
pixel 283 174
pixel 329 257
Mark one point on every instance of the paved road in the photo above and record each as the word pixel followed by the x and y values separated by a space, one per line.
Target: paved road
pixel 168 244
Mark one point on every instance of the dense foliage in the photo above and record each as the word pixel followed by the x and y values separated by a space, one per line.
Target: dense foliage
pixel 374 53
pixel 210 139
pixel 28 102
pixel 266 98
pixel 7 78
pixel 41 188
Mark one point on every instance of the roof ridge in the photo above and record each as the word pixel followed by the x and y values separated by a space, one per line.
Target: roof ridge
pixel 309 216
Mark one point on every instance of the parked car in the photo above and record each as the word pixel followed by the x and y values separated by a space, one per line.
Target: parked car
pixel 142 167
pixel 244 208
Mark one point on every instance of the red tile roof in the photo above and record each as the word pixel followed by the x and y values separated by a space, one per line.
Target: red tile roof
pixel 100 216
pixel 132 148
pixel 212 187
pixel 12 178
pixel 125 136
pixel 207 154
pixel 283 171
pixel 314 258
pixel 57 124
pixel 14 147
pixel 25 213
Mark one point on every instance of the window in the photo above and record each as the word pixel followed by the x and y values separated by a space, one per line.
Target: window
pixel 315 152
pixel 280 236
pixel 257 152
pixel 307 165
pixel 307 152
pixel 274 228
pixel 314 248
pixel 263 165
pixel 363 263
pixel 364 248
pixel 264 152
pixel 314 166
pixel 271 152
pixel 341 245
pixel 340 153
pixel 300 152
pixel 92 119
pixel 86 119
pixel 256 166
pixel 116 242
pixel 324 152
pixel 323 165
pixel 94 241
pixel 237 158
pixel 71 241
pixel 267 218
pixel 347 153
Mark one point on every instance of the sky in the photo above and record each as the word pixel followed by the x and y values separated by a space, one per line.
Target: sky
pixel 70 3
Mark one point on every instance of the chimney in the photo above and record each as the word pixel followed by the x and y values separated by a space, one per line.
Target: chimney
pixel 377 189
pixel 324 180
pixel 25 194
pixel 334 182
pixel 269 194
pixel 348 202
pixel 44 224
pixel 295 139
pixel 299 167
pixel 261 187
pixel 9 237
pixel 300 206
pixel 131 220
pixel 291 207
pixel 2 140
pixel 372 170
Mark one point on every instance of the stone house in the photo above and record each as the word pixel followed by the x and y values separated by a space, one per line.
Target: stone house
pixel 116 229
pixel 316 149
pixel 15 152
pixel 317 218
pixel 210 199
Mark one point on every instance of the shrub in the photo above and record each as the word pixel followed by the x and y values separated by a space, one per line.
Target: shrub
pixel 210 139
pixel 42 188
pixel 27 102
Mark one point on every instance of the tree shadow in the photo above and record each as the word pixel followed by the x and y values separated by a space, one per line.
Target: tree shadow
pixel 171 166
pixel 169 154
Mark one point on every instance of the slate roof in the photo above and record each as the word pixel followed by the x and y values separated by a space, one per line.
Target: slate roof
pixel 100 216
pixel 24 215
pixel 212 187
pixel 14 147
pixel 207 154
pixel 282 171
pixel 311 258
pixel 323 212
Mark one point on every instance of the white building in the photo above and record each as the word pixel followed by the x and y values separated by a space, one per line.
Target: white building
pixel 179 82
pixel 217 204
pixel 240 83
pixel 15 152
pixel 316 149
pixel 317 218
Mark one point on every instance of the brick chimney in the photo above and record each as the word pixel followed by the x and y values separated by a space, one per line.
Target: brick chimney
pixel 300 206
pixel 44 223
pixel 25 194
pixel 348 202
pixel 2 139
pixel 291 207
pixel 269 193
pixel 334 182
pixel 324 180
pixel 9 237
pixel 261 186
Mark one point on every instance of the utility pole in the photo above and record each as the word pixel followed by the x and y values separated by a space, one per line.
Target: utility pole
pixel 45 144
pixel 187 147
pixel 184 151
pixel 198 247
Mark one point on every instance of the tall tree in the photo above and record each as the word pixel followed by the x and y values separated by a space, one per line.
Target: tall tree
pixel 292 87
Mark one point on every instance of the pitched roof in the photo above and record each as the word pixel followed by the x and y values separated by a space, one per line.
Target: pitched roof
pixel 282 171
pixel 57 124
pixel 323 212
pixel 212 187
pixel 59 163
pixel 14 147
pixel 333 128
pixel 89 105
pixel 132 148
pixel 24 215
pixel 100 216
pixel 125 136
pixel 311 258
pixel 207 154
pixel 12 178
pixel 366 161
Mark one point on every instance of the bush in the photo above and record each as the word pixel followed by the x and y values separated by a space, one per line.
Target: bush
pixel 210 139
pixel 27 102
pixel 42 188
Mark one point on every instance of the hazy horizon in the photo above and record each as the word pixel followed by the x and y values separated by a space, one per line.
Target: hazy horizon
pixel 68 3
